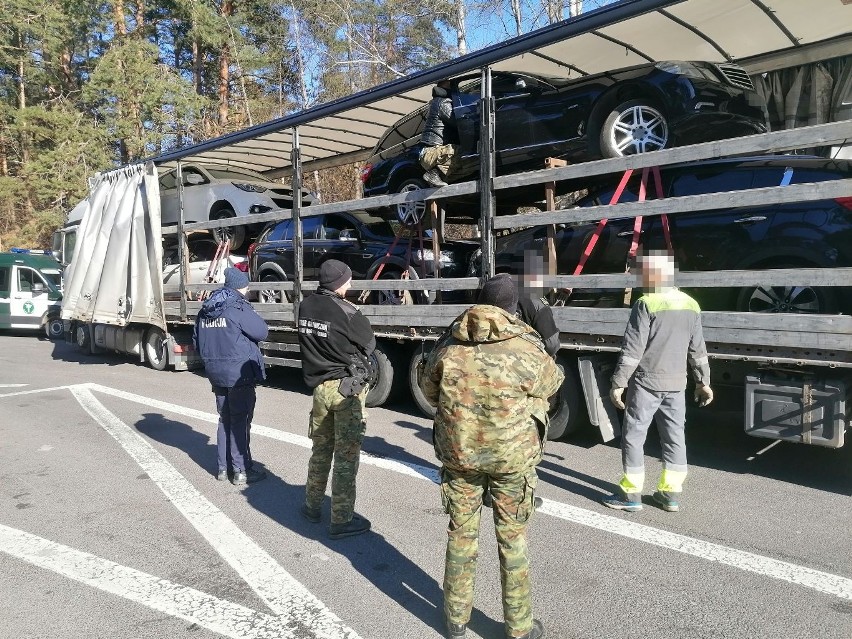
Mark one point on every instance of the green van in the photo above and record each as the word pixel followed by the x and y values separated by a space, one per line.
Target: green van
pixel 30 298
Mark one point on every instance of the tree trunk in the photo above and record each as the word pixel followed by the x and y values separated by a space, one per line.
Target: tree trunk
pixel 461 28
pixel 140 18
pixel 118 18
pixel 224 69
pixel 554 10
pixel 575 7
pixel 197 67
pixel 516 13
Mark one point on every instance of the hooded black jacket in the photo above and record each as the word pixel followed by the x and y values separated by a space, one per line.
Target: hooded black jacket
pixel 440 128
pixel 331 331
pixel 226 334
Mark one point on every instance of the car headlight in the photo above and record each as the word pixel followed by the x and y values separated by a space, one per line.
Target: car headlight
pixel 251 188
pixel 680 68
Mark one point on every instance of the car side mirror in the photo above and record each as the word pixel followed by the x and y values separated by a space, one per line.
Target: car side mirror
pixel 38 288
pixel 193 179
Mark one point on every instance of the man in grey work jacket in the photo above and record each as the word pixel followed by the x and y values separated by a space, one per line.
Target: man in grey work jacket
pixel 663 335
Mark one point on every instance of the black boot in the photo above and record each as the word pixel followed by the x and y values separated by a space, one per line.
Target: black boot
pixel 537 631
pixel 356 526
pixel 456 630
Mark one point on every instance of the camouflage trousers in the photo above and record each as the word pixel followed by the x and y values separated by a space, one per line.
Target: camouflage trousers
pixel 445 158
pixel 337 425
pixel 513 505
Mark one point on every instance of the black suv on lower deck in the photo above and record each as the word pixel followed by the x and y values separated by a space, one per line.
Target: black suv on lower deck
pixel 364 242
pixel 797 234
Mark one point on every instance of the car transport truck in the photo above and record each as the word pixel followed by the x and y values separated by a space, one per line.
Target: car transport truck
pixel 792 370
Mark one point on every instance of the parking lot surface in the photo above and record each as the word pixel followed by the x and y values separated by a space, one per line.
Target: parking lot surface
pixel 112 523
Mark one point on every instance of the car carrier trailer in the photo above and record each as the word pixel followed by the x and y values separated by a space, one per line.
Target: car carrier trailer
pixel 792 369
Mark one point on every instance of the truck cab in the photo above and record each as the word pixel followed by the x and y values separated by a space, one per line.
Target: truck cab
pixel 30 298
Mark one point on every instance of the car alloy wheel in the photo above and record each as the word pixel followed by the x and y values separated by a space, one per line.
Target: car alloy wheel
pixel 634 127
pixel 270 296
pixel 395 297
pixel 411 212
pixel 784 299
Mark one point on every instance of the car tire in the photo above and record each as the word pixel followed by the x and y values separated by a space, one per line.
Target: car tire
pixel 634 126
pixel 380 390
pixel 156 349
pixel 390 297
pixel 237 234
pixel 270 296
pixel 410 213
pixel 787 299
pixel 54 328
pixel 417 395
pixel 567 413
pixel 83 338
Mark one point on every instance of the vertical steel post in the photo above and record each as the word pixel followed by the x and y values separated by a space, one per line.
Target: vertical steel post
pixel 486 172
pixel 182 248
pixel 298 247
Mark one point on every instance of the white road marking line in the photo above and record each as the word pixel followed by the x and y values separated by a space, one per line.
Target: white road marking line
pixel 817 580
pixel 13 385
pixel 194 606
pixel 34 391
pixel 282 593
pixel 821 581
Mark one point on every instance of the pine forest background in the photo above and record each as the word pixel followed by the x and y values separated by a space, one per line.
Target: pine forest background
pixel 88 85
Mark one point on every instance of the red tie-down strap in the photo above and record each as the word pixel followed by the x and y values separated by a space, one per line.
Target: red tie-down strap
pixel 364 294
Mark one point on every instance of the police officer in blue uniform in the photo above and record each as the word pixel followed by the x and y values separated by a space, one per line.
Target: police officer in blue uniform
pixel 227 331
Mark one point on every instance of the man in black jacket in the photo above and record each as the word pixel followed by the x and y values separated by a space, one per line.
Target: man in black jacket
pixel 439 156
pixel 227 331
pixel 533 307
pixel 336 341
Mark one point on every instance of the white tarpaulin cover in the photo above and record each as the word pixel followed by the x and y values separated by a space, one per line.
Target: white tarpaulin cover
pixel 116 276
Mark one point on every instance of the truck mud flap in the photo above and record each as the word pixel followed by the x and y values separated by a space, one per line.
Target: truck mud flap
pixel 595 373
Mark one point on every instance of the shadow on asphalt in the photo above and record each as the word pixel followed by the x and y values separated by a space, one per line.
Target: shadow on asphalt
pixel 378 561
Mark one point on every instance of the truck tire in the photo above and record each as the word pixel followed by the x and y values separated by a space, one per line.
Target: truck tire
pixel 82 337
pixel 380 390
pixel 413 383
pixel 156 349
pixel 567 413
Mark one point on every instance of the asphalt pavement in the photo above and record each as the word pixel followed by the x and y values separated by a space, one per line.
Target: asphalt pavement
pixel 112 524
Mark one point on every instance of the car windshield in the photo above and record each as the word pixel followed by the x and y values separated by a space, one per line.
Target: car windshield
pixel 52 276
pixel 231 173
pixel 376 225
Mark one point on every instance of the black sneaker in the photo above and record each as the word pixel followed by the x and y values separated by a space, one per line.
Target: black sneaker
pixel 434 178
pixel 356 526
pixel 666 501
pixel 456 630
pixel 223 474
pixel 313 515
pixel 243 477
pixel 537 632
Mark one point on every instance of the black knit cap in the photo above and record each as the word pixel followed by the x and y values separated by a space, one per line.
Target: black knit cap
pixel 334 274
pixel 501 291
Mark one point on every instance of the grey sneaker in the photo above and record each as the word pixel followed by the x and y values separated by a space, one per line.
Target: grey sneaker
pixel 666 501
pixel 223 474
pixel 243 477
pixel 434 178
pixel 356 526
pixel 620 501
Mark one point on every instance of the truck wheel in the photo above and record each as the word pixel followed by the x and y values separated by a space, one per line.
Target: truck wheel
pixel 413 383
pixel 156 349
pixel 53 328
pixel 566 411
pixel 633 127
pixel 381 388
pixel 237 234
pixel 83 338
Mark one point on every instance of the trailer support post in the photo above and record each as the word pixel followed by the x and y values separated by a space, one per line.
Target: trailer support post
pixel 486 173
pixel 298 247
pixel 183 253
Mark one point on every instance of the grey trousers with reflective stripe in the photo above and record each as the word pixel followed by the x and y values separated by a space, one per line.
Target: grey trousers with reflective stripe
pixel 643 405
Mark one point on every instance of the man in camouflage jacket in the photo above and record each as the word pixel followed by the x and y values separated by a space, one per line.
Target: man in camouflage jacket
pixel 490 381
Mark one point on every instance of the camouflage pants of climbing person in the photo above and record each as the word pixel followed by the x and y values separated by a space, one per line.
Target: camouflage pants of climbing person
pixel 446 158
pixel 513 500
pixel 337 425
